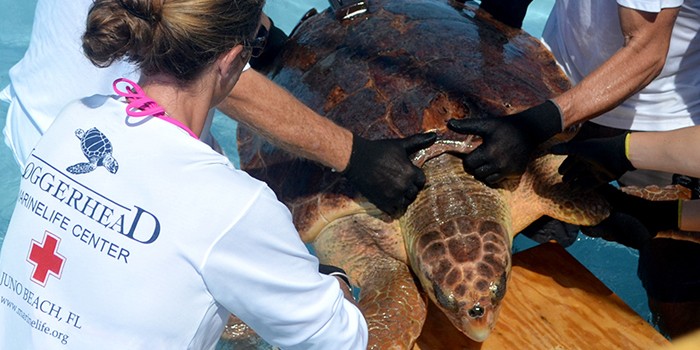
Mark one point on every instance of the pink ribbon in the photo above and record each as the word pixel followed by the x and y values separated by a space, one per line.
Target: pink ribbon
pixel 141 105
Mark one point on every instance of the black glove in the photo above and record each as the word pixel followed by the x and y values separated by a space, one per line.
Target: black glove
pixel 510 12
pixel 594 162
pixel 508 142
pixel 621 228
pixel 275 39
pixel 382 171
pixel 654 215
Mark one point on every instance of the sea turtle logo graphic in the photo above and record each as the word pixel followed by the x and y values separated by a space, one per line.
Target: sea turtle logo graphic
pixel 98 151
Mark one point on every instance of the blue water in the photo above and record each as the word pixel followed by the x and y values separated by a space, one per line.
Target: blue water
pixel 613 264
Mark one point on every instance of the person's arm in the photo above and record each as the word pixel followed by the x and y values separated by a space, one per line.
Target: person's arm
pixel 509 141
pixel 380 169
pixel 342 278
pixel 690 216
pixel 595 162
pixel 643 55
pixel 669 151
pixel 262 272
pixel 654 215
pixel 277 115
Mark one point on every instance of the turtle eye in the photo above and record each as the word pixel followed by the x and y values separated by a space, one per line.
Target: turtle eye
pixel 446 301
pixel 498 289
pixel 494 290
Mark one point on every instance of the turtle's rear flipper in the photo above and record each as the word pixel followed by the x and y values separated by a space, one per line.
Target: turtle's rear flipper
pixel 110 164
pixel 81 168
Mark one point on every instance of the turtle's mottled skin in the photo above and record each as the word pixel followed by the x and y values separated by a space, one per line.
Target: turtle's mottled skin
pixel 404 67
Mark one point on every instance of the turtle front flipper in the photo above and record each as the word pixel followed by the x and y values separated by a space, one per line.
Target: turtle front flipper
pixel 372 253
pixel 542 192
pixel 238 335
pixel 81 168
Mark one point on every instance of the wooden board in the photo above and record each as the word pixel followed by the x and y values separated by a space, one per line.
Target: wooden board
pixel 552 302
pixel 688 342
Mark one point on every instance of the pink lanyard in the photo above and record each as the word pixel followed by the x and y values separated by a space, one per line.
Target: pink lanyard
pixel 141 105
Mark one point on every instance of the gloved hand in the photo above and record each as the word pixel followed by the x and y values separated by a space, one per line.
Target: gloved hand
pixel 508 142
pixel 654 215
pixel 510 12
pixel 621 228
pixel 594 162
pixel 382 171
pixel 274 41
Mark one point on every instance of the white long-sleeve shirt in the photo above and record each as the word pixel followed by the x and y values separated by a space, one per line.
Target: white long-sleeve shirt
pixel 153 245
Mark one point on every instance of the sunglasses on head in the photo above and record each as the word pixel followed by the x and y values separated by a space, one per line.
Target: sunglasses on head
pixel 257 45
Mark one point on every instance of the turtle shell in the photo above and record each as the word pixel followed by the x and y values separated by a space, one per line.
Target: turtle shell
pixel 401 68
pixel 95 145
pixel 404 67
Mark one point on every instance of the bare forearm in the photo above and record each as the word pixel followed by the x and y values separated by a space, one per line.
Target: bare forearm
pixel 673 152
pixel 690 216
pixel 631 68
pixel 278 116
pixel 669 151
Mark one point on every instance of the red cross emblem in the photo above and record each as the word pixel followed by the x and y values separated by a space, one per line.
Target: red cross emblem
pixel 45 259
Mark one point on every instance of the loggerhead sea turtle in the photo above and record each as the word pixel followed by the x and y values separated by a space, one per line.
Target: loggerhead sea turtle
pixel 97 149
pixel 403 67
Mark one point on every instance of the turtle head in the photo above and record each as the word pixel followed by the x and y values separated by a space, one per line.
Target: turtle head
pixel 464 267
pixel 475 313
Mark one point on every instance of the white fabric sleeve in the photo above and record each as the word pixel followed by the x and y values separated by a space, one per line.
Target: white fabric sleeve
pixel 5 95
pixel 263 273
pixel 654 6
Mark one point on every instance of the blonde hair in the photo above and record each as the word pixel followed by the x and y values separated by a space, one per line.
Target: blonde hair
pixel 177 37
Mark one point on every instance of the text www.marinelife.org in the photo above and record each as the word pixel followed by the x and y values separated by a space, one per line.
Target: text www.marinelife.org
pixel 36 324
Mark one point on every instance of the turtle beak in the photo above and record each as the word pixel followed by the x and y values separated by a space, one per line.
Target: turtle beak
pixel 477 322
pixel 479 335
pixel 478 328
